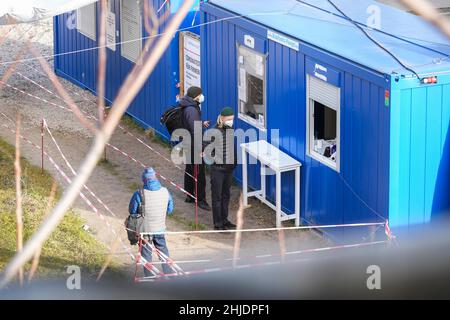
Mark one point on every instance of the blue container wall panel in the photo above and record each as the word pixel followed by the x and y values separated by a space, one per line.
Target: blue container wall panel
pixel 76 56
pixel 419 151
pixel 159 91
pixel 360 191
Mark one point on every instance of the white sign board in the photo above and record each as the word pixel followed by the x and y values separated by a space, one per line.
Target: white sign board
pixel 281 39
pixel 111 31
pixel 249 41
pixel 131 30
pixel 191 61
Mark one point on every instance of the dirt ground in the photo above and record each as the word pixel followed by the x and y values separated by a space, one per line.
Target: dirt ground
pixel 115 180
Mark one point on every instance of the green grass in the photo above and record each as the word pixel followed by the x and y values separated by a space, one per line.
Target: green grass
pixel 161 141
pixel 69 244
pixel 130 123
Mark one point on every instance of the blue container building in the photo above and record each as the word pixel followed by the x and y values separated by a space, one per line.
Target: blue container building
pixel 373 139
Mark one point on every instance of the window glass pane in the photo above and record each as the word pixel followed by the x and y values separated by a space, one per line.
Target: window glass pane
pixel 86 21
pixel 251 91
pixel 324 130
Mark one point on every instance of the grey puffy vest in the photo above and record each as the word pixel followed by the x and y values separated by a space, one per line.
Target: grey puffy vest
pixel 155 210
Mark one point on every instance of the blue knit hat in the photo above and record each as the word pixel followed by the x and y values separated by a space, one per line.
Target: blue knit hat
pixel 148 175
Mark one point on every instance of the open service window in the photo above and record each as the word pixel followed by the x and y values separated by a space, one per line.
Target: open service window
pixel 86 21
pixel 323 122
pixel 252 87
pixel 131 29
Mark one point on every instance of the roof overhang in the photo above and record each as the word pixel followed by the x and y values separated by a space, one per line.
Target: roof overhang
pixel 14 12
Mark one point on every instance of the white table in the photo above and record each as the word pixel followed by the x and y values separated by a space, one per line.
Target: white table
pixel 274 159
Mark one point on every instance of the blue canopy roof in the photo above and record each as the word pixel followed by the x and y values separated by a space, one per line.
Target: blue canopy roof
pixel 418 44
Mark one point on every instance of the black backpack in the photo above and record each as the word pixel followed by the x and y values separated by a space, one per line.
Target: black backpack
pixel 133 223
pixel 172 118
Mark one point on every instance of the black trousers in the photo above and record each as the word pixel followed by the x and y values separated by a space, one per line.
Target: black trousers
pixel 189 182
pixel 220 190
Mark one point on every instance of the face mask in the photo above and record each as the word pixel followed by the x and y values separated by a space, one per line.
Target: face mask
pixel 229 123
pixel 201 99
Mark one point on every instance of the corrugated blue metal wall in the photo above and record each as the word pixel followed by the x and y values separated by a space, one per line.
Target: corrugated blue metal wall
pixel 420 175
pixel 75 54
pixel 76 60
pixel 360 191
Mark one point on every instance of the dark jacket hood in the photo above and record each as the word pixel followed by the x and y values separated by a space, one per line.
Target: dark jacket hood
pixel 187 101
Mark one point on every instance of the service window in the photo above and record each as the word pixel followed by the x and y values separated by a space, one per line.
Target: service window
pixel 252 87
pixel 323 101
pixel 86 21
pixel 131 29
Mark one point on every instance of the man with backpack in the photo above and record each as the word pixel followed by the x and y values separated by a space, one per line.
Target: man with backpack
pixel 153 202
pixel 191 106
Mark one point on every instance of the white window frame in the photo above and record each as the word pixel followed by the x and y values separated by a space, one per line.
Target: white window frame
pixel 124 43
pixel 335 165
pixel 110 5
pixel 88 30
pixel 245 117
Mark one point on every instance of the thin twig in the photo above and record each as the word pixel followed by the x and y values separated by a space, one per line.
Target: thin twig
pixel 102 63
pixel 428 12
pixel 35 263
pixel 133 84
pixel 149 15
pixel 19 213
pixel 109 258
pixel 239 226
pixel 282 243
pixel 19 55
pixel 4 36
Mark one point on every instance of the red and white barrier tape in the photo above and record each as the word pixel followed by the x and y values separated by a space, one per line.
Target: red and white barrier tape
pixel 277 255
pixel 177 186
pixel 387 229
pixel 161 254
pixel 93 117
pixel 353 225
pixel 88 202
pixel 165 259
pixel 270 263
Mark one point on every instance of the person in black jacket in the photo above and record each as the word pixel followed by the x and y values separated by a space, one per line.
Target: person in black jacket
pixel 222 167
pixel 192 114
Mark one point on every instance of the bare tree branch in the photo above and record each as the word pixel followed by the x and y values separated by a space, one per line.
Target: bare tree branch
pixel 109 258
pixel 428 12
pixel 18 175
pixel 133 84
pixel 102 63
pixel 282 243
pixel 19 55
pixel 149 15
pixel 35 263
pixel 3 36
pixel 239 226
